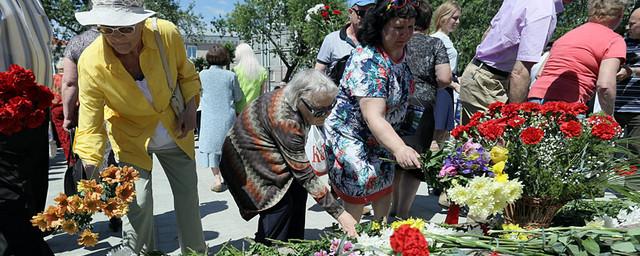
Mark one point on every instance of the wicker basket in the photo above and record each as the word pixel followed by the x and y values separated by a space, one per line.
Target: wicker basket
pixel 532 211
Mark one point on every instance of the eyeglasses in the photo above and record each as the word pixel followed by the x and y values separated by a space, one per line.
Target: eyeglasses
pixel 359 12
pixel 125 30
pixel 323 112
pixel 399 4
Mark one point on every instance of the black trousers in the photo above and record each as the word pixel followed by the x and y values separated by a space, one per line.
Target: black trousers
pixel 17 235
pixel 285 220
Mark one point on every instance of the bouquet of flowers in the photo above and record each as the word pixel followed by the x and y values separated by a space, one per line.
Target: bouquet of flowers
pixel 319 21
pixel 110 196
pixel 23 103
pixel 554 149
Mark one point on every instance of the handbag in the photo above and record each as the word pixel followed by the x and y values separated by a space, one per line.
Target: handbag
pixel 75 172
pixel 315 149
pixel 177 101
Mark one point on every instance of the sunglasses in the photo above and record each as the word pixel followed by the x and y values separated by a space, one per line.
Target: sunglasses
pixel 360 12
pixel 399 4
pixel 323 112
pixel 125 30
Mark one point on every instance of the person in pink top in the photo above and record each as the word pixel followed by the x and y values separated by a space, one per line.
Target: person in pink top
pixel 585 59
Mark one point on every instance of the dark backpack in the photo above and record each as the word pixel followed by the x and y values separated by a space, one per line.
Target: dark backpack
pixel 338 69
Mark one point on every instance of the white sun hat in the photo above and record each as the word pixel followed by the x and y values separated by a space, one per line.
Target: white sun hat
pixel 114 13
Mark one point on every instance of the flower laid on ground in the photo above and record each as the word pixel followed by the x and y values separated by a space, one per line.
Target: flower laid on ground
pixel 485 196
pixel 409 241
pixel 23 102
pixel 111 196
pixel 629 217
pixel 513 235
pixel 414 223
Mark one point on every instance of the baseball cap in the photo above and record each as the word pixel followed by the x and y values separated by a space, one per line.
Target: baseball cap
pixel 361 2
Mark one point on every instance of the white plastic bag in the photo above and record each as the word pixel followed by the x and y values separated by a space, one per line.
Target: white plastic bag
pixel 315 149
pixel 53 147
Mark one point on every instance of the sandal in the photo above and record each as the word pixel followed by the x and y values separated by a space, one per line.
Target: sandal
pixel 218 187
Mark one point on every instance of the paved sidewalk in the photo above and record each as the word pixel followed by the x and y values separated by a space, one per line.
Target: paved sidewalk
pixel 221 220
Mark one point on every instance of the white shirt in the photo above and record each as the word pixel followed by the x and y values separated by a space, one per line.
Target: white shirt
pixel 451 50
pixel 161 138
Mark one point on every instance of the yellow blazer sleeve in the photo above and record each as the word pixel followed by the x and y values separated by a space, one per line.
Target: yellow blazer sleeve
pixel 188 77
pixel 91 134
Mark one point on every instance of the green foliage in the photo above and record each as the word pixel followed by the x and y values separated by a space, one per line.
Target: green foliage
pixel 278 23
pixel 578 212
pixel 61 14
pixel 200 63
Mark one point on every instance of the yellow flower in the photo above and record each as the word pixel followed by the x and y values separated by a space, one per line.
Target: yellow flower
pixel 70 227
pixel 499 154
pixel 513 235
pixel 414 223
pixel 114 208
pixel 502 178
pixel 51 217
pixel 375 225
pixel 74 204
pixel 39 221
pixel 86 186
pixel 88 238
pixel 498 168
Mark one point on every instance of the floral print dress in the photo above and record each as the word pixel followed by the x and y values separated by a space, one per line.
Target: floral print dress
pixel 358 174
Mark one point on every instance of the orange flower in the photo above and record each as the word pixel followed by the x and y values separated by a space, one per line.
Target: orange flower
pixel 86 186
pixel 126 192
pixel 128 174
pixel 114 208
pixel 92 203
pixel 61 199
pixel 51 217
pixel 109 174
pixel 38 221
pixel 70 227
pixel 88 238
pixel 74 204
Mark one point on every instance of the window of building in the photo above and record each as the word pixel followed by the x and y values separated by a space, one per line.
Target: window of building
pixel 192 51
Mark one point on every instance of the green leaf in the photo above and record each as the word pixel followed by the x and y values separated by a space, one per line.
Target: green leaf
pixel 559 248
pixel 591 246
pixel 575 250
pixel 624 247
pixel 634 232
pixel 564 240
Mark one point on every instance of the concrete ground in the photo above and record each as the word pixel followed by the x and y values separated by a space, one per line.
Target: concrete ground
pixel 221 220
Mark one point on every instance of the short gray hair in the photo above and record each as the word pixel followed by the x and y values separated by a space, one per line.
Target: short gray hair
pixel 308 81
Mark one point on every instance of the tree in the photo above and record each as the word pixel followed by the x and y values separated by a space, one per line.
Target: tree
pixel 61 14
pixel 281 23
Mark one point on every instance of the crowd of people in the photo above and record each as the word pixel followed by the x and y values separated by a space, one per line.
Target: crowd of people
pixel 384 86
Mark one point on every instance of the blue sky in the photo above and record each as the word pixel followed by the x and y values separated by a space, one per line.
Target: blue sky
pixel 210 9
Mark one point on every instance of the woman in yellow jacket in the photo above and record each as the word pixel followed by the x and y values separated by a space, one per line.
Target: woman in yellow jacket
pixel 122 82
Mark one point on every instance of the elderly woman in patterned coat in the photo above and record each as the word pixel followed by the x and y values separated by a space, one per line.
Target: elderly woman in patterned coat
pixel 264 164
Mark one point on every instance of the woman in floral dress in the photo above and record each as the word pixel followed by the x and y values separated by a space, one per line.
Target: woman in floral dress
pixel 371 105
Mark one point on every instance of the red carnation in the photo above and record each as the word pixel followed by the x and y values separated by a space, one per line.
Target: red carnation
pixel 516 121
pixel 604 131
pixel 459 130
pixel 475 119
pixel 531 135
pixel 22 101
pixel 491 130
pixel 496 107
pixel 337 12
pixel 327 7
pixel 510 109
pixel 409 241
pixel 530 107
pixel 325 15
pixel 571 129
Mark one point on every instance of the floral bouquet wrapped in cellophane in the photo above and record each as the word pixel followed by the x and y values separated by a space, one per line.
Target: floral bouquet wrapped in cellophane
pixel 110 196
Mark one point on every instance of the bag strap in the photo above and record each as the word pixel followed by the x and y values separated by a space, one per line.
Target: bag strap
pixel 72 134
pixel 163 56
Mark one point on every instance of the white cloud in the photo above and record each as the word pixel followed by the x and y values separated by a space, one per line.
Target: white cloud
pixel 213 11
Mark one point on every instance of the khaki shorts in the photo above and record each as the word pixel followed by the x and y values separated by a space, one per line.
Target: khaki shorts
pixel 479 88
